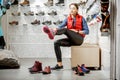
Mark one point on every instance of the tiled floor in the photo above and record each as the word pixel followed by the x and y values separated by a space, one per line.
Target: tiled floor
pixel 64 74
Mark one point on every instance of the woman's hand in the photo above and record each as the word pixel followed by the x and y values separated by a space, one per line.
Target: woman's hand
pixel 74 30
pixel 80 32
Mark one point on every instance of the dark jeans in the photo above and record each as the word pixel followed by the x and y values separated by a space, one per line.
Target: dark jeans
pixel 73 39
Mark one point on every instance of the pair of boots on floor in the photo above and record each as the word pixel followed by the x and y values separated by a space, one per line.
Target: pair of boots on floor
pixel 80 70
pixel 37 68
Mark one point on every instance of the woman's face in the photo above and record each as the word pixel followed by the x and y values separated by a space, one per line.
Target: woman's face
pixel 73 10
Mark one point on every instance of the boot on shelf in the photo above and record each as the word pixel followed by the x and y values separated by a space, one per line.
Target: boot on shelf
pixel 25 2
pixel 15 2
pixel 60 3
pixel 49 3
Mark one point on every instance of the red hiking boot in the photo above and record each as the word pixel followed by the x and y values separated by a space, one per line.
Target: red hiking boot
pixel 47 70
pixel 36 68
pixel 49 32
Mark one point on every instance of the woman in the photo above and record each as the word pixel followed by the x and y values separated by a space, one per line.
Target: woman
pixel 75 31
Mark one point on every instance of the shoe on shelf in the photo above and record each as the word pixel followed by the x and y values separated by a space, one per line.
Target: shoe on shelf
pixel 49 3
pixel 60 3
pixel 15 2
pixel 13 23
pixel 31 13
pixel 47 22
pixel 25 2
pixel 36 68
pixel 57 67
pixel 35 22
pixel 47 70
pixel 52 13
pixel 40 13
pixel 16 14
pixel 84 69
pixel 57 22
pixel 49 32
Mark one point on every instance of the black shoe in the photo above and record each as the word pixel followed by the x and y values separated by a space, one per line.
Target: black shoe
pixel 15 2
pixel 57 67
pixel 60 3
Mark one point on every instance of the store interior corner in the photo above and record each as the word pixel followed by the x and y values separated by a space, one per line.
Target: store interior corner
pixel 24 42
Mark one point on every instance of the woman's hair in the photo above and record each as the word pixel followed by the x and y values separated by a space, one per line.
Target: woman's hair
pixel 75 4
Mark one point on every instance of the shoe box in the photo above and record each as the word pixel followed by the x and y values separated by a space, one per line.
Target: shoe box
pixel 88 54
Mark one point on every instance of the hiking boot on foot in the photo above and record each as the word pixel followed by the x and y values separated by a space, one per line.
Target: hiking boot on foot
pixel 49 32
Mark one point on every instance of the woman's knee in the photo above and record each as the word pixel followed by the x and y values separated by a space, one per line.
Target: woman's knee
pixel 56 42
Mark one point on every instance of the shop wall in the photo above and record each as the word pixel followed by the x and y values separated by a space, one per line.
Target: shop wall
pixel 28 41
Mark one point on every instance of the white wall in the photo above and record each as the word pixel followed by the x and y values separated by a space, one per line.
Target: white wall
pixel 29 41
pixel 118 42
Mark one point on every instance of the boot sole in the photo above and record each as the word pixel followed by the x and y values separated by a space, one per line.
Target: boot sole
pixel 48 32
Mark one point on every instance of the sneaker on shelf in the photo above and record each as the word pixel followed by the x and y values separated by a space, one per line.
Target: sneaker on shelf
pixel 25 2
pixel 29 13
pixel 16 14
pixel 13 23
pixel 40 13
pixel 57 22
pixel 60 3
pixel 79 71
pixel 49 3
pixel 52 13
pixel 35 22
pixel 15 2
pixel 57 67
pixel 47 23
